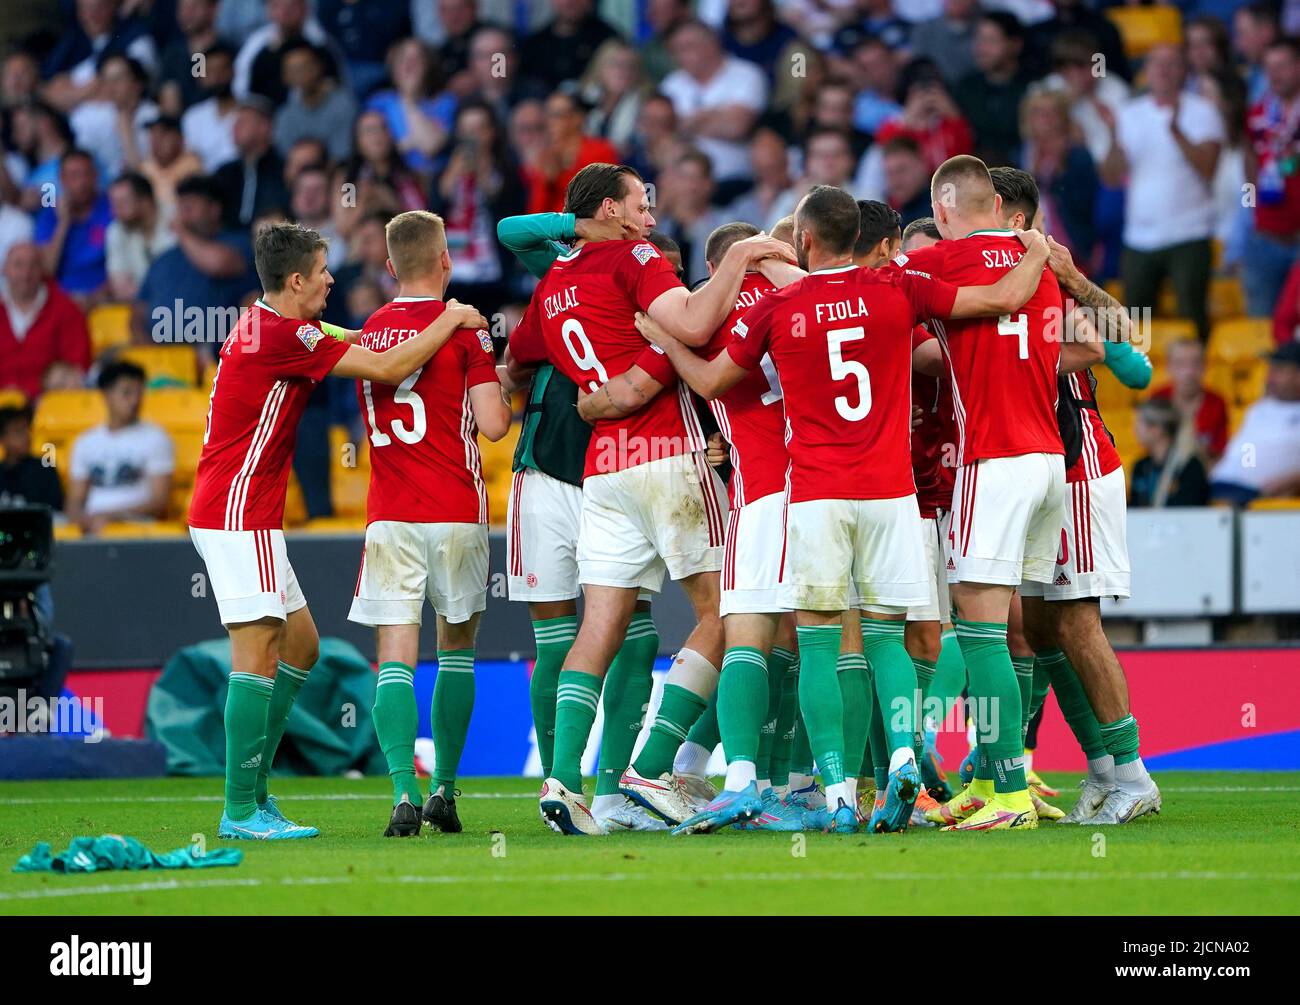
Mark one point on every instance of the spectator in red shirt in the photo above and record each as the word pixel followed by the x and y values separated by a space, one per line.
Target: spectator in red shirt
pixel 1286 315
pixel 1187 391
pixel 1272 151
pixel 39 323
pixel 930 117
pixel 568 150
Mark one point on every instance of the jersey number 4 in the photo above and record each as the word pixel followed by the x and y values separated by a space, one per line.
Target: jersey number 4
pixel 1019 327
pixel 404 395
pixel 843 369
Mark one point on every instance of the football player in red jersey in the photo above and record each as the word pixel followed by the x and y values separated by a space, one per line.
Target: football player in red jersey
pixel 1063 618
pixel 1008 498
pixel 427 519
pixel 266 370
pixel 651 504
pixel 840 342
pixel 759 640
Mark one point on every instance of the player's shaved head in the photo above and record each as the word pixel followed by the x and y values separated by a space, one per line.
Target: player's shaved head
pixel 724 237
pixel 920 229
pixel 416 241
pixel 962 184
pixel 783 230
pixel 829 216
pixel 1019 193
pixel 595 183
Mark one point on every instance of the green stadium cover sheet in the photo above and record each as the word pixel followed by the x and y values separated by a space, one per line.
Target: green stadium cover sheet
pixel 329 730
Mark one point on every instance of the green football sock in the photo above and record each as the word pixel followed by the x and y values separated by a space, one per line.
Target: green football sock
pixel 1041 685
pixel 855 693
pixel 1074 704
pixel 248 697
pixel 742 702
pixel 949 672
pixel 819 698
pixel 1121 738
pixel 925 683
pixel 624 698
pixel 554 636
pixel 779 662
pixel 396 721
pixel 1024 668
pixel 877 756
pixel 993 682
pixel 678 711
pixel 453 703
pixel 288 682
pixel 895 681
pixel 801 758
pixel 575 710
pixel 704 730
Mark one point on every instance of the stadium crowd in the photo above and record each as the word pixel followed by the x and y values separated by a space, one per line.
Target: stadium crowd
pixel 145 141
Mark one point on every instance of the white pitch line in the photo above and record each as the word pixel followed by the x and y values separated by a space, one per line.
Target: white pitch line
pixel 165 886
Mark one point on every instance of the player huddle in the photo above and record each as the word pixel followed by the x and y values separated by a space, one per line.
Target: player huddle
pixel 910 441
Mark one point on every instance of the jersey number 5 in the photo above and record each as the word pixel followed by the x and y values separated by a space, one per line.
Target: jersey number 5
pixel 582 351
pixel 404 395
pixel 842 369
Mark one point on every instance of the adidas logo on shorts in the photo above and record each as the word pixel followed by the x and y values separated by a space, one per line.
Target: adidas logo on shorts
pixel 1061 580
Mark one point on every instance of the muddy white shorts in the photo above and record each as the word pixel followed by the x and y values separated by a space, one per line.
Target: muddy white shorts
pixel 751 560
pixel 1007 515
pixel 939 606
pixel 865 553
pixel 403 564
pixel 1092 557
pixel 542 522
pixel 667 516
pixel 249 573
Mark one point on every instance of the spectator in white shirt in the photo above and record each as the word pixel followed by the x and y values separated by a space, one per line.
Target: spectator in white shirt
pixel 1167 142
pixel 209 126
pixel 113 127
pixel 122 469
pixel 717 98
pixel 1096 97
pixel 1263 458
pixel 138 234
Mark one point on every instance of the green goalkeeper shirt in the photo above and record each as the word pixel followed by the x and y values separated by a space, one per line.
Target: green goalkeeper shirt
pixel 553 438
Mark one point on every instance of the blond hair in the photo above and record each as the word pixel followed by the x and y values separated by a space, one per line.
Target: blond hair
pixel 415 241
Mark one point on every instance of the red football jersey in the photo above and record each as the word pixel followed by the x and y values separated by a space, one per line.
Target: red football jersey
pixel 840 340
pixel 934 441
pixel 582 320
pixel 1003 369
pixel 751 416
pixel 266 371
pixel 1099 456
pixel 424 459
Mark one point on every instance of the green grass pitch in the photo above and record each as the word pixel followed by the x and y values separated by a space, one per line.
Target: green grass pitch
pixel 1226 843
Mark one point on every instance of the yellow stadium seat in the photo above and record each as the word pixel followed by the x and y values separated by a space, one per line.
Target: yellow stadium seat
pixel 295 510
pixel 1236 414
pixel 110 327
pixel 11 397
pixel 1284 502
pixel 1111 394
pixel 1143 28
pixel 1226 299
pixel 61 415
pixel 1220 379
pixel 176 409
pixel 335 525
pixel 1248 382
pixel 188 447
pixel 499 455
pixel 348 490
pixel 164 362
pixel 1241 339
pixel 67 532
pixel 144 529
pixel 178 506
pixel 209 374
pixel 1115 287
pixel 1156 336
